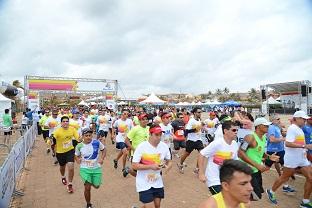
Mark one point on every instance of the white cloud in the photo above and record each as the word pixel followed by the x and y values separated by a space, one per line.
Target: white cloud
pixel 161 46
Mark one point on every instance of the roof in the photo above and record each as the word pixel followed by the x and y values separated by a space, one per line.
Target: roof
pixel 288 87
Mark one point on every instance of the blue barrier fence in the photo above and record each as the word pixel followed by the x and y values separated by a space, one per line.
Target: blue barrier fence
pixel 14 164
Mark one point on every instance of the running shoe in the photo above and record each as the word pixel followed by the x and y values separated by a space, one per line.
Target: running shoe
pixel 64 181
pixel 306 205
pixel 48 151
pixel 70 188
pixel 271 196
pixel 115 164
pixel 195 171
pixel 181 168
pixel 89 206
pixel 125 171
pixel 288 189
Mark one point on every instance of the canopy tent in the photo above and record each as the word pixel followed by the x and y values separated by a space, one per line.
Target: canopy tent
pixel 214 102
pixel 153 99
pixel 199 103
pixel 232 103
pixel 83 103
pixel 5 103
pixel 272 101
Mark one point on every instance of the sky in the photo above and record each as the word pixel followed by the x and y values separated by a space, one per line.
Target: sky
pixel 162 46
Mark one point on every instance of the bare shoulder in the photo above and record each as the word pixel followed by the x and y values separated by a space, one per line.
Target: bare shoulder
pixel 208 203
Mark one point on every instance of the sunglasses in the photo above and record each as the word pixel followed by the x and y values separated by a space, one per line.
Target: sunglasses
pixel 181 117
pixel 198 112
pixel 234 130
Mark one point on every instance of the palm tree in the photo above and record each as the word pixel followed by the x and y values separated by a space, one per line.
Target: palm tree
pixel 253 96
pixel 218 92
pixel 226 90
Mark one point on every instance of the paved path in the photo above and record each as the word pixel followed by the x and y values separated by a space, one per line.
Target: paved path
pixel 43 188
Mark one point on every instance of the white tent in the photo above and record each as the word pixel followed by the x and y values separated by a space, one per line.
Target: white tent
pixel 153 99
pixel 272 101
pixel 5 103
pixel 122 103
pixel 83 103
pixel 199 103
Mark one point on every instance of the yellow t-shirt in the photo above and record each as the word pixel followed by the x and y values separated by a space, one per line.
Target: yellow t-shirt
pixel 64 139
pixel 220 201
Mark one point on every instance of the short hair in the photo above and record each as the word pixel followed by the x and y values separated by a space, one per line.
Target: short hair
pixel 195 109
pixel 230 166
pixel 124 109
pixel 179 114
pixel 227 125
pixel 64 117
pixel 250 117
pixel 6 111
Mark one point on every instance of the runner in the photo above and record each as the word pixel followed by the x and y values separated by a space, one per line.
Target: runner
pixel 210 125
pixel 149 158
pixel 252 152
pixel 65 152
pixel 136 136
pixel 275 146
pixel 45 131
pixel 87 155
pixel 178 134
pixel 295 158
pixel 76 122
pixel 123 125
pixel 103 125
pixel 111 121
pixel 216 152
pixel 194 140
pixel 167 129
pixel 307 129
pixel 235 177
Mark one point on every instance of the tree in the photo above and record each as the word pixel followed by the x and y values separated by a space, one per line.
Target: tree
pixel 254 96
pixel 226 90
pixel 234 96
pixel 218 92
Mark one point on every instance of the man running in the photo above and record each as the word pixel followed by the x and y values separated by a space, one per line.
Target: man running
pixel 52 123
pixel 307 129
pixel 149 158
pixel 178 134
pixel 45 131
pixel 88 155
pixel 216 152
pixel 167 129
pixel 65 152
pixel 194 140
pixel 103 125
pixel 235 177
pixel 252 152
pixel 295 158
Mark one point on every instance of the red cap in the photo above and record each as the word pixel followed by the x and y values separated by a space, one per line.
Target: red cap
pixel 141 116
pixel 212 113
pixel 155 130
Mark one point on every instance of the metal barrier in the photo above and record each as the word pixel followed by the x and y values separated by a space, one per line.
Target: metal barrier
pixel 14 164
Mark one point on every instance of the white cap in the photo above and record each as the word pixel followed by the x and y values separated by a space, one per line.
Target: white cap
pixel 262 121
pixel 300 114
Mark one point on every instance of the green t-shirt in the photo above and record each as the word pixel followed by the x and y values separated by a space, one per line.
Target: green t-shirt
pixel 7 120
pixel 42 121
pixel 256 154
pixel 136 120
pixel 137 135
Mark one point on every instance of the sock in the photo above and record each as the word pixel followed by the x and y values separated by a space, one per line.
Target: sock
pixel 272 191
pixel 63 176
pixel 70 183
pixel 305 201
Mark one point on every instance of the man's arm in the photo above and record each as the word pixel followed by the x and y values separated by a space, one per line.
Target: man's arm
pixel 209 203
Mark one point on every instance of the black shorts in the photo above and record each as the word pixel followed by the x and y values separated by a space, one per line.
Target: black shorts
pixel 65 157
pixel 121 145
pixel 215 189
pixel 256 182
pixel 191 145
pixel 102 133
pixel 151 194
pixel 269 162
pixel 178 144
pixel 8 132
pixel 45 134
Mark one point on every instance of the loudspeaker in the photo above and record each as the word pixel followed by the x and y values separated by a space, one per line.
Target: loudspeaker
pixel 303 90
pixel 263 94
pixel 310 89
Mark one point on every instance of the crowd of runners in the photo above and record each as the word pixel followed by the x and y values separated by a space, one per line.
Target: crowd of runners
pixel 234 150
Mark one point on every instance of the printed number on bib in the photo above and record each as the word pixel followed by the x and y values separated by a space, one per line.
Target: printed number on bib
pixel 67 144
pixel 180 132
pixel 151 177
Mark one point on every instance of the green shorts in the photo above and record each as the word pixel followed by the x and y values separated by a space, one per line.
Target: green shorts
pixel 93 176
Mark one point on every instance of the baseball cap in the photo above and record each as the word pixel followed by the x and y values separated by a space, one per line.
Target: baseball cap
pixel 212 113
pixel 262 121
pixel 155 130
pixel 86 130
pixel 300 114
pixel 141 116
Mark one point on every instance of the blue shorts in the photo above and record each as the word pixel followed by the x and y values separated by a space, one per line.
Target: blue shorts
pixel 151 194
pixel 121 145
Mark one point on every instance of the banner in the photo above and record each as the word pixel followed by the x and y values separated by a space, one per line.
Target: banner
pixel 7 180
pixel 43 84
pixel 33 104
pixel 111 104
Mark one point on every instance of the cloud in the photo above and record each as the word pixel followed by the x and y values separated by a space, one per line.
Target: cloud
pixel 161 46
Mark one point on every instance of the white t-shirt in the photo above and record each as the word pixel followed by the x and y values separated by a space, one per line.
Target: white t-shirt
pixel 25 120
pixel 87 122
pixel 211 125
pixel 102 122
pixel 123 127
pixel 147 154
pixel 77 124
pixel 194 124
pixel 216 152
pixel 295 156
pixel 53 123
pixel 89 153
pixel 167 134
pixel 218 133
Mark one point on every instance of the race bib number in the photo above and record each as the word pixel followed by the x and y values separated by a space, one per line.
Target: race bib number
pixel 67 144
pixel 89 163
pixel 180 133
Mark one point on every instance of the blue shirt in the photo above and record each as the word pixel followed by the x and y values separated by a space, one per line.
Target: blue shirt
pixel 29 115
pixel 275 131
pixel 307 130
